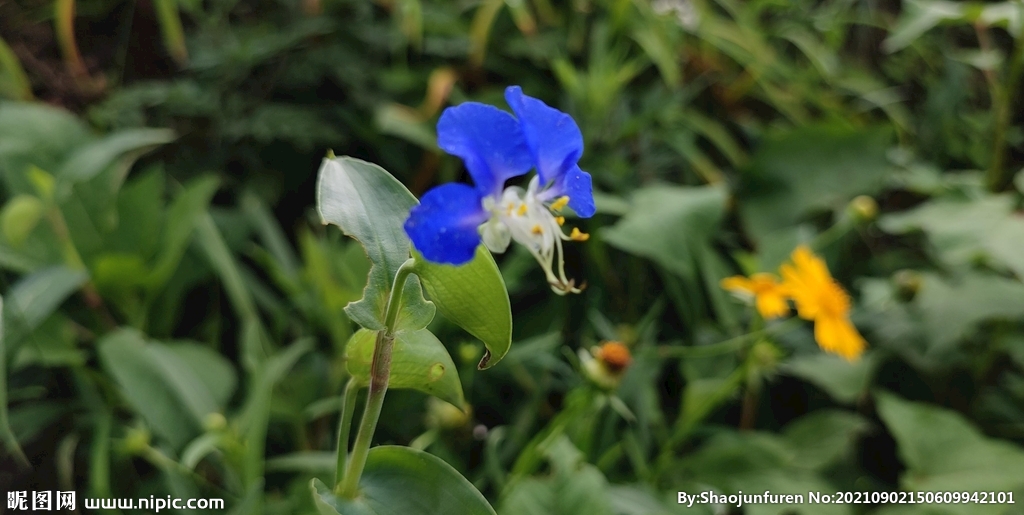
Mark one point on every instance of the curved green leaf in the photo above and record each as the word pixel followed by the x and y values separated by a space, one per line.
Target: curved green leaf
pixel 19 217
pixel 401 481
pixel 418 361
pixel 91 159
pixel 370 205
pixel 474 296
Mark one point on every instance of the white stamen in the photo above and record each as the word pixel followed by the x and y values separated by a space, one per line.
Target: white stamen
pixel 524 217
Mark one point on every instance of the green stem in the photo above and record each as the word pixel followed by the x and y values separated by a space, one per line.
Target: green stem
pixel 380 373
pixel 348 408
pixel 1004 115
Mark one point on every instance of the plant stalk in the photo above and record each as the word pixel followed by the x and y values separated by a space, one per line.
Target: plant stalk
pixel 348 408
pixel 380 373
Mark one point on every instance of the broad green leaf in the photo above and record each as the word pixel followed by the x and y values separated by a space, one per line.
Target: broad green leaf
pixel 403 481
pixel 418 361
pixel 755 462
pixel 370 205
pixel 89 160
pixel 823 436
pixel 944 452
pixel 843 380
pixel 474 297
pixel 810 168
pixel 670 225
pixel 35 134
pixel 164 385
pixel 951 309
pixel 19 217
pixel 6 434
pixel 957 229
pixel 35 297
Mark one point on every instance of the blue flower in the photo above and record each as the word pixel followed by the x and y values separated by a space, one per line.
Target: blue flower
pixel 451 220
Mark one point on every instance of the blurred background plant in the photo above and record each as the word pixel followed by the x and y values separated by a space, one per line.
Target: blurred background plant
pixel 172 309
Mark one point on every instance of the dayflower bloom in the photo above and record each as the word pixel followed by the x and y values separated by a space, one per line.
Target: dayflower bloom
pixel 452 219
pixel 820 298
pixel 769 296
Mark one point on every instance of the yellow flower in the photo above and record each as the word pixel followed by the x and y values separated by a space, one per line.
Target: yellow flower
pixel 820 298
pixel 769 295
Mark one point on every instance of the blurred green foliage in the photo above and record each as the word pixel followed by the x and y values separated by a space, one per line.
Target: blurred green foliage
pixel 173 313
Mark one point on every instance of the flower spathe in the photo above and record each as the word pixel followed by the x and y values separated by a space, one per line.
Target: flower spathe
pixel 453 219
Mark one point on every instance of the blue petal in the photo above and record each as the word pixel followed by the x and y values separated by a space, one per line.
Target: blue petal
pixel 578 185
pixel 488 140
pixel 553 136
pixel 443 227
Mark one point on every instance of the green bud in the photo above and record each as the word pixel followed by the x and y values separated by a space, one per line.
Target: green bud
pixel 136 440
pixel 214 422
pixel 444 415
pixel 469 353
pixel 907 283
pixel 864 209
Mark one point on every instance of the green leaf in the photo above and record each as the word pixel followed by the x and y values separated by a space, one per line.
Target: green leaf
pixel 370 205
pixel 823 437
pixel 311 462
pixel 402 481
pixel 474 297
pixel 959 230
pixel 755 462
pixel 670 225
pixel 35 134
pixel 19 217
pixel 814 167
pixel 418 361
pixel 944 452
pixel 91 159
pixel 920 16
pixel 843 380
pixel 13 81
pixel 952 309
pixel 167 385
pixel 35 297
pixel 6 433
pixel 183 214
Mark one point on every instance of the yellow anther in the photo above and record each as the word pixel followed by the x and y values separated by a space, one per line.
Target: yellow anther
pixel 537 229
pixel 560 220
pixel 560 203
pixel 508 212
pixel 577 235
pixel 522 209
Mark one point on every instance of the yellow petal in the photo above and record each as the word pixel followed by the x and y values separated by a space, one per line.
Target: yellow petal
pixel 839 336
pixel 738 283
pixel 772 305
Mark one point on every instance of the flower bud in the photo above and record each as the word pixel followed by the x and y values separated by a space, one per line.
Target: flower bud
pixel 605 365
pixel 863 209
pixel 214 422
pixel 907 283
pixel 444 415
pixel 136 440
pixel 469 353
